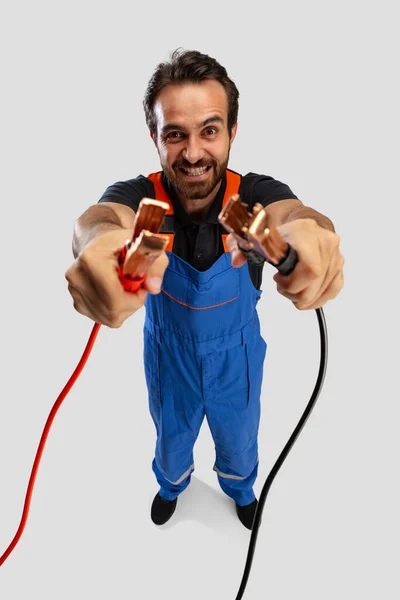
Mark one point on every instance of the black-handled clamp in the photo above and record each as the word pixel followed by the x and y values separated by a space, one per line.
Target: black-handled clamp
pixel 258 240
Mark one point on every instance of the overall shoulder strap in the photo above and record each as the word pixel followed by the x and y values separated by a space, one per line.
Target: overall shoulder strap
pixel 160 194
pixel 233 181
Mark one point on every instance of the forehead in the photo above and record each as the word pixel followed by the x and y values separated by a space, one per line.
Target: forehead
pixel 190 103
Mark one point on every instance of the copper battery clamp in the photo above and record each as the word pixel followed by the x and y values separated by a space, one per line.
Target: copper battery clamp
pixel 258 240
pixel 146 244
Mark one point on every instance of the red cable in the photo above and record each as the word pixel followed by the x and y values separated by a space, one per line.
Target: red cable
pixel 131 285
pixel 45 433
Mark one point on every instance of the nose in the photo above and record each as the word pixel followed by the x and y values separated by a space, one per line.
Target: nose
pixel 193 151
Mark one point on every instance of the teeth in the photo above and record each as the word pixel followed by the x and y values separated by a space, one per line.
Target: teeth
pixel 196 172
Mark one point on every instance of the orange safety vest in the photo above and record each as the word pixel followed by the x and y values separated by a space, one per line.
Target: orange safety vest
pixel 232 187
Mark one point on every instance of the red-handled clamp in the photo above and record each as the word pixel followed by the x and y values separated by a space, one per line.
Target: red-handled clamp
pixel 146 245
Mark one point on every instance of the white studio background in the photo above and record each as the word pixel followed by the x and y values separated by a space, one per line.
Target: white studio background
pixel 319 111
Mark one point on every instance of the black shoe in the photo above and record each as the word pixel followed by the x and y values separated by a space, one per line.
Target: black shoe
pixel 162 510
pixel 247 513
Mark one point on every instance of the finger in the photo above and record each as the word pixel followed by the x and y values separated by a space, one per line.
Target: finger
pixel 335 267
pixel 295 284
pixel 155 274
pixel 314 289
pixel 84 307
pixel 82 292
pixel 300 278
pixel 100 270
pixel 102 273
pixel 231 242
pixel 238 259
pixel 310 297
pixel 80 305
pixel 311 258
pixel 330 293
pixel 120 306
pixel 314 254
pixel 334 279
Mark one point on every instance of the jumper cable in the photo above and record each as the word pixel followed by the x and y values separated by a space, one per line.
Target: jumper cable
pixel 259 242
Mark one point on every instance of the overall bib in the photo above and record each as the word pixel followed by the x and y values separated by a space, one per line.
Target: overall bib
pixel 203 357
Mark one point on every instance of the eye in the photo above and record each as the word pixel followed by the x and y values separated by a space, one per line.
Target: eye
pixel 174 135
pixel 210 131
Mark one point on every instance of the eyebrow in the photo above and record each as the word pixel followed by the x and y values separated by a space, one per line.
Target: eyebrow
pixel 175 127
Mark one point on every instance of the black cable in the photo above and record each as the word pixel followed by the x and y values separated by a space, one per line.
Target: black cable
pixel 286 450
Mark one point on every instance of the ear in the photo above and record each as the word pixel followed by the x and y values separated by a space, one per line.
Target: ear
pixel 233 134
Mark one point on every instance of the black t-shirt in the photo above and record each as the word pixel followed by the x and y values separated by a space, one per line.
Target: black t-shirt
pixel 201 244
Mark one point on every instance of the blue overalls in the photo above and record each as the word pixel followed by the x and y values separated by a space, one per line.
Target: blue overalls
pixel 204 356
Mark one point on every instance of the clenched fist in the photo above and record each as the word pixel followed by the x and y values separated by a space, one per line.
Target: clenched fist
pixel 94 284
pixel 318 275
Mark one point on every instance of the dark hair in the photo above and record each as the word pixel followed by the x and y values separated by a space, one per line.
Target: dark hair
pixel 189 66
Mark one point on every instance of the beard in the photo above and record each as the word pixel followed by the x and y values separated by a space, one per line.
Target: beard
pixel 196 190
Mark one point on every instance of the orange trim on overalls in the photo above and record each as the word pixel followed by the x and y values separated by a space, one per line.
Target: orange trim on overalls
pixel 203 307
pixel 232 187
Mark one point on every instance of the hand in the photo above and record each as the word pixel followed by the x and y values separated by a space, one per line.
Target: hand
pixel 234 243
pixel 94 284
pixel 318 276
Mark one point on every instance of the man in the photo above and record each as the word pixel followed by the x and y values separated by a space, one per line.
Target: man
pixel 203 352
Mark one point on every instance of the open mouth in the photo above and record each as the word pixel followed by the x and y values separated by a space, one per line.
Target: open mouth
pixel 195 173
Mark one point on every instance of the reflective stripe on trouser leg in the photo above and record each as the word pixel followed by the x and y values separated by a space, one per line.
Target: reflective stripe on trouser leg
pixel 169 490
pixel 228 476
pixel 238 487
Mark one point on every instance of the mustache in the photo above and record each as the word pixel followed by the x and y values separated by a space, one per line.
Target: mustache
pixel 199 165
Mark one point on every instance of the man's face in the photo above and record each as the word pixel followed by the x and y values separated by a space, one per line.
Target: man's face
pixel 192 137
